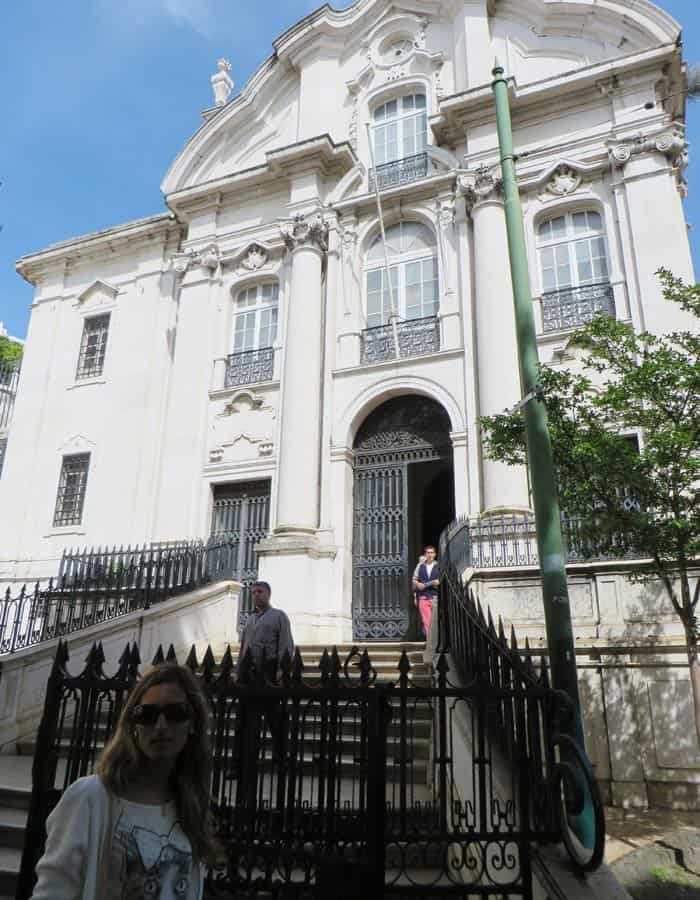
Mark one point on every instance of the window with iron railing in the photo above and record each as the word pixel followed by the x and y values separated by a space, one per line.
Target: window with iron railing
pixel 72 485
pixel 412 251
pixel 93 347
pixel 400 136
pixel 254 335
pixel 574 270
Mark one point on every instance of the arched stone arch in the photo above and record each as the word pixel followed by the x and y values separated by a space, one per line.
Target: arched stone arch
pixel 403 498
pixel 368 400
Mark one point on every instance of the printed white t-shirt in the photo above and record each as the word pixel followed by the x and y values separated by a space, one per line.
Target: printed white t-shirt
pixel 150 856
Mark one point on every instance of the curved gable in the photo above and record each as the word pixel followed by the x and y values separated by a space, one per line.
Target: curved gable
pixel 536 38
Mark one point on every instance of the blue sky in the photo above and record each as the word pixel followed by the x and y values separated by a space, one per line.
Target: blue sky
pixel 98 96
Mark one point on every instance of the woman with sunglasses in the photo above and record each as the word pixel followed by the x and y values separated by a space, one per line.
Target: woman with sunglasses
pixel 139 828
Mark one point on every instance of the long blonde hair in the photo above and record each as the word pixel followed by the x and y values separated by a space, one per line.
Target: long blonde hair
pixel 191 778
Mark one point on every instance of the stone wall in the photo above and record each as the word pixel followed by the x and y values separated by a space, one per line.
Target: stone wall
pixel 633 677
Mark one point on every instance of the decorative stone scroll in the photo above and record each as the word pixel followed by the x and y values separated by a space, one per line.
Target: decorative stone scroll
pixel 302 230
pixel 479 186
pixel 670 142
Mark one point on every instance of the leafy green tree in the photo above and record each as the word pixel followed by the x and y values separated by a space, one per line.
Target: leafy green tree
pixel 10 352
pixel 641 503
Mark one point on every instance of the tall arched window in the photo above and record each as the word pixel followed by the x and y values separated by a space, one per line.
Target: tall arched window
pixel 572 250
pixel 400 136
pixel 574 269
pixel 412 254
pixel 255 321
pixel 400 128
pixel 254 333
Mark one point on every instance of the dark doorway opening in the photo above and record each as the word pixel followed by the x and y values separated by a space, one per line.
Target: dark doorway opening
pixel 404 497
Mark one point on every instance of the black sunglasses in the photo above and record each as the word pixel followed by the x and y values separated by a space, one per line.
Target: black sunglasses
pixel 148 713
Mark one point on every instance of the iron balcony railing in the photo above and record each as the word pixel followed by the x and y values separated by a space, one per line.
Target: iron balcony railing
pixel 510 541
pixel 575 306
pixel 98 585
pixel 249 367
pixel 416 337
pixel 399 171
pixel 9 378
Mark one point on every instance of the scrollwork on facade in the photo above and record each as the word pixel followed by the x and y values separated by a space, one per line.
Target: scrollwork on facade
pixel 445 211
pixel 479 186
pixel 670 142
pixel 305 230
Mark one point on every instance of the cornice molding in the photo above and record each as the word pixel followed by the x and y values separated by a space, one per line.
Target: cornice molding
pixel 130 235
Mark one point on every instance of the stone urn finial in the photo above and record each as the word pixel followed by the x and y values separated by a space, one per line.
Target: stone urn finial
pixel 221 82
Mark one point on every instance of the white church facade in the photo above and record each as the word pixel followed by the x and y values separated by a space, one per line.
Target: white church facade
pixel 233 365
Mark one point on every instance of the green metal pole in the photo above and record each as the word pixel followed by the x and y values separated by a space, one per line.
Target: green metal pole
pixel 557 611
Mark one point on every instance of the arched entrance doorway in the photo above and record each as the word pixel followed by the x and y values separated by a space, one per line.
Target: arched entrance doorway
pixel 403 498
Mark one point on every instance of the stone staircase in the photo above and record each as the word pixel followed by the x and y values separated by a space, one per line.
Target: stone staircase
pixel 15 768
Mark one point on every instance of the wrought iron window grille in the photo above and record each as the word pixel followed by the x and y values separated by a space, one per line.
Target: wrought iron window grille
pixel 249 367
pixel 9 379
pixel 399 171
pixel 93 346
pixel 416 338
pixel 72 485
pixel 575 306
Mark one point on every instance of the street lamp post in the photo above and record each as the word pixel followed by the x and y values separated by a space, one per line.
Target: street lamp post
pixel 557 610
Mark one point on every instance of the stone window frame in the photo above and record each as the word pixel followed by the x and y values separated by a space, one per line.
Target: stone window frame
pixel 258 308
pixel 404 259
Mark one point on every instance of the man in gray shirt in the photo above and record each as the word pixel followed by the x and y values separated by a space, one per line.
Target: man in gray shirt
pixel 267 634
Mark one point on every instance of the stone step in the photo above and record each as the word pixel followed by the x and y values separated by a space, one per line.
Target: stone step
pixel 10 859
pixel 12 825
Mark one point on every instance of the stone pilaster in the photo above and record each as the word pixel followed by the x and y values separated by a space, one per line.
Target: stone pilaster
pixel 504 488
pixel 299 475
pixel 649 196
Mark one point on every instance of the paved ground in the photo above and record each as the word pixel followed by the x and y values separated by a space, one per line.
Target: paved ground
pixel 655 854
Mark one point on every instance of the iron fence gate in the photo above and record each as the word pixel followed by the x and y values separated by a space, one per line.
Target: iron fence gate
pixel 338 784
pixel 401 433
pixel 239 521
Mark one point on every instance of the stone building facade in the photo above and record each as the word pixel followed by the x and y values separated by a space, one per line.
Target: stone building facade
pixel 230 366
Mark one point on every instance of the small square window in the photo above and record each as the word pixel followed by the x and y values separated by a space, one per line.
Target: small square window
pixel 71 490
pixel 93 347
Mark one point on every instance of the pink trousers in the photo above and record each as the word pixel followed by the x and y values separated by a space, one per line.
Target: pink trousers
pixel 425 608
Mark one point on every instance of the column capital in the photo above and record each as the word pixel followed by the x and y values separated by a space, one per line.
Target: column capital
pixel 670 142
pixel 480 186
pixel 304 231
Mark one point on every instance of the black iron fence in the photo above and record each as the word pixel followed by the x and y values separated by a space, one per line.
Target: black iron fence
pixel 99 584
pixel 510 541
pixel 483 653
pixel 9 379
pixel 336 783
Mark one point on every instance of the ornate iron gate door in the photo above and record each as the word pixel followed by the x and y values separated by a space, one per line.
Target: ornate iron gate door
pixel 240 519
pixel 401 432
pixel 381 552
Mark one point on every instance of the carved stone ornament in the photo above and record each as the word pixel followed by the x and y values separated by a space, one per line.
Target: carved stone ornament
pixel 564 181
pixel 302 230
pixel 181 262
pixel 477 187
pixel 348 235
pixel 243 401
pixel 209 257
pixel 445 212
pixel 255 258
pixel 670 142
